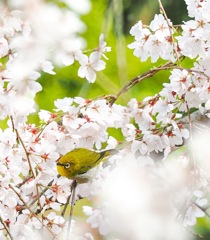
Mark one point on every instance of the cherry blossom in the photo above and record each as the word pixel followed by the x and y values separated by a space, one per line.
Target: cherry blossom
pixel 89 65
pixel 47 67
pixel 71 56
pixel 153 41
pixel 4 47
pixel 194 211
pixel 102 49
pixel 162 152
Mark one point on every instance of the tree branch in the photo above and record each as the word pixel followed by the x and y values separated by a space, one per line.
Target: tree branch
pixel 170 30
pixel 32 213
pixel 23 145
pixel 139 78
pixel 6 228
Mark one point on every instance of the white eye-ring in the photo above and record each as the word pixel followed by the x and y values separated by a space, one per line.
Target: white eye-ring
pixel 67 165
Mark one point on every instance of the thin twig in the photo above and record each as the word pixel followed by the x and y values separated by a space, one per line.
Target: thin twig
pixel 195 234
pixel 27 154
pixel 194 71
pixel 6 228
pixel 66 205
pixel 32 213
pixel 42 130
pixel 23 182
pixel 73 190
pixel 38 200
pixel 187 69
pixel 203 209
pixel 43 192
pixel 23 145
pixel 170 30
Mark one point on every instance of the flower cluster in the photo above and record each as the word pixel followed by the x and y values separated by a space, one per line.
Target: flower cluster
pixel 24 49
pixel 158 180
pixel 154 41
pixel 91 64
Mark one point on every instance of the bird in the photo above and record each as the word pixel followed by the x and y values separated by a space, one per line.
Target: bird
pixel 76 164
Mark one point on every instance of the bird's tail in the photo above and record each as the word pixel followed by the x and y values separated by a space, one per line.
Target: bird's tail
pixel 107 153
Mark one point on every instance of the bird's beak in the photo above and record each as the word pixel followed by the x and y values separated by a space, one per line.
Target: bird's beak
pixel 59 164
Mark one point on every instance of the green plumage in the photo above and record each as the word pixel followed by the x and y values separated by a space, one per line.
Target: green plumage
pixel 76 163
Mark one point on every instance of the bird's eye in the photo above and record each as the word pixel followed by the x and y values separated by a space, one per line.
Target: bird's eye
pixel 67 165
